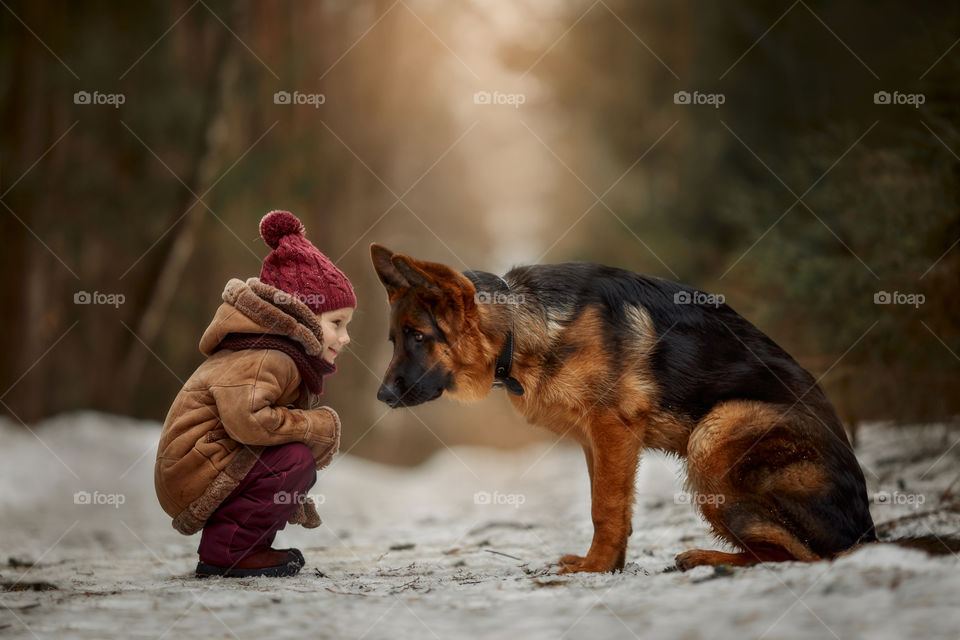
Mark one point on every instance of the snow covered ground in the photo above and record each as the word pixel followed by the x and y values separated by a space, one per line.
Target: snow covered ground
pixel 458 547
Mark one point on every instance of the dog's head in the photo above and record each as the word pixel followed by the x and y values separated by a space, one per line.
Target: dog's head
pixel 437 343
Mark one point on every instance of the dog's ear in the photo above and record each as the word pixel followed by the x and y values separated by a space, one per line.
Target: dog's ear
pixel 432 276
pixel 445 290
pixel 414 273
pixel 389 275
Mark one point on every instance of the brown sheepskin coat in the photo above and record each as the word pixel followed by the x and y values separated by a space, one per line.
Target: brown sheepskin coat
pixel 238 402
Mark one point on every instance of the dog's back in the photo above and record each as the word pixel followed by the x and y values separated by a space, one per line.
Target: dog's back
pixel 705 352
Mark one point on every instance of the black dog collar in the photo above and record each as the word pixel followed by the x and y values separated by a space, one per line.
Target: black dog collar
pixel 502 368
pixel 504 362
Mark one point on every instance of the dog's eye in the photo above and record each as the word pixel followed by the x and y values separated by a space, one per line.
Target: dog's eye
pixel 418 336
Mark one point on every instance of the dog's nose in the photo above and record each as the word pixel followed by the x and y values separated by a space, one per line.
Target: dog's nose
pixel 387 394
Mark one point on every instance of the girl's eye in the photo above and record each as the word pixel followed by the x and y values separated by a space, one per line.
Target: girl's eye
pixel 337 322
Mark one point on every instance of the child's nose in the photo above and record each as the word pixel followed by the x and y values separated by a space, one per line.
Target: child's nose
pixel 345 339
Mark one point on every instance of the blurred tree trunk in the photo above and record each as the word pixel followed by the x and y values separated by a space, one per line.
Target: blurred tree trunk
pixel 28 133
pixel 161 279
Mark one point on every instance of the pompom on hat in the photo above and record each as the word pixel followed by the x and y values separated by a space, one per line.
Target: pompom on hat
pixel 299 268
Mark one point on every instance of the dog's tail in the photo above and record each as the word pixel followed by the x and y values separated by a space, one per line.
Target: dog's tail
pixel 932 544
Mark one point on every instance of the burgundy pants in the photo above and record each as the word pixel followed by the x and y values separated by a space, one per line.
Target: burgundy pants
pixel 248 519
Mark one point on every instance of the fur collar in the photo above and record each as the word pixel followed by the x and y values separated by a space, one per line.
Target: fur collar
pixel 256 307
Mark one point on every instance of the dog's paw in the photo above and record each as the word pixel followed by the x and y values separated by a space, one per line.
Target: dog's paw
pixel 686 560
pixel 697 558
pixel 578 564
pixel 702 557
pixel 570 563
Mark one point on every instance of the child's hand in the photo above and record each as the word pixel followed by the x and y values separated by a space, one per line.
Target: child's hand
pixel 324 435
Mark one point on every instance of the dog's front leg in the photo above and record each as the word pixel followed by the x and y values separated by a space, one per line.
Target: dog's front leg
pixel 588 455
pixel 616 452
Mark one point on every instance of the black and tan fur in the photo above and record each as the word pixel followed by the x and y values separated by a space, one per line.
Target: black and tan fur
pixel 609 358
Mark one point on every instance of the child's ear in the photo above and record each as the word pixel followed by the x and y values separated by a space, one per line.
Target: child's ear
pixel 389 275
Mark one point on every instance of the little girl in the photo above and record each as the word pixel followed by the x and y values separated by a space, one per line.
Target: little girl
pixel 243 440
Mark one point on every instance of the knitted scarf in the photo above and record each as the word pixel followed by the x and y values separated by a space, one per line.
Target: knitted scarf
pixel 313 369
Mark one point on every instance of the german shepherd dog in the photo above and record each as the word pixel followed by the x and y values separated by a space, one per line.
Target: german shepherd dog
pixel 622 362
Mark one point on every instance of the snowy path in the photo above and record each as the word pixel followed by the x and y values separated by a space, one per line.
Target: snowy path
pixel 418 554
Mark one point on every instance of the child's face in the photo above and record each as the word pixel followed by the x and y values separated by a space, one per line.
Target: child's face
pixel 335 335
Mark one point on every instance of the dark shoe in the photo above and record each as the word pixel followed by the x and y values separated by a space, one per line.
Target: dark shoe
pixel 270 563
pixel 297 553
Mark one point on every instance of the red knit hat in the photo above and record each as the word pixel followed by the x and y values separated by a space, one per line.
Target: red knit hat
pixel 298 267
